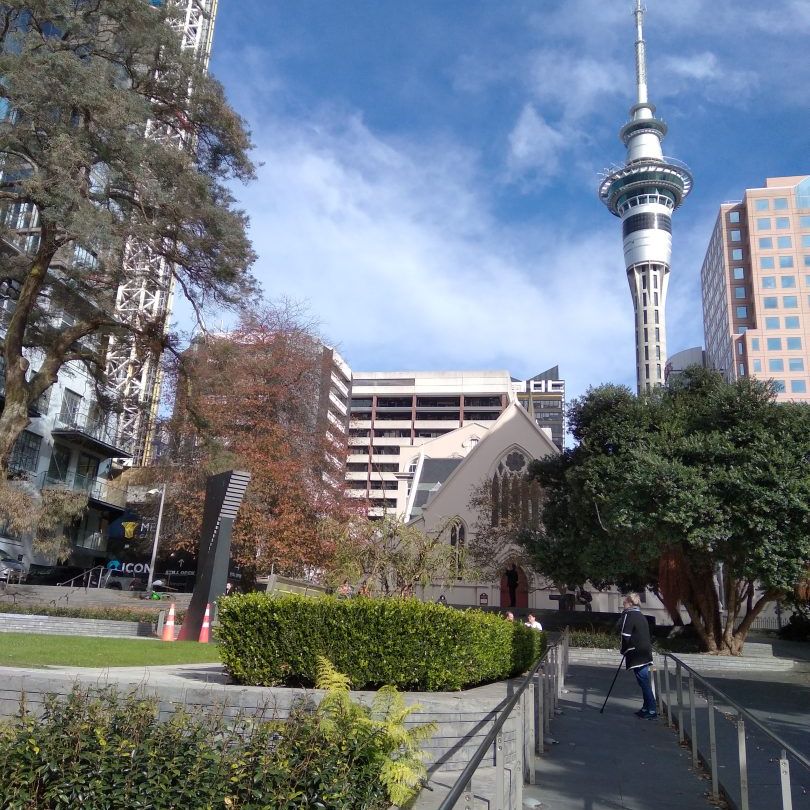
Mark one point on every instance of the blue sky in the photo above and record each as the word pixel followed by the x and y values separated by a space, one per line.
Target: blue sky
pixel 429 168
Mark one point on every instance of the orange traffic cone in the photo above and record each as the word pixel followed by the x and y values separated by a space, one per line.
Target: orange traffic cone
pixel 206 625
pixel 168 626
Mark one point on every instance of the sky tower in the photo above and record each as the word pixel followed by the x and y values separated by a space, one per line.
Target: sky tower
pixel 644 193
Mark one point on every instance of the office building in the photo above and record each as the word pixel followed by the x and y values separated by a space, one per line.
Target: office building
pixel 392 413
pixel 756 287
pixel 543 396
pixel 643 193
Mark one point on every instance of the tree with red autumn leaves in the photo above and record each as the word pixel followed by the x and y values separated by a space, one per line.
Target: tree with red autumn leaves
pixel 252 399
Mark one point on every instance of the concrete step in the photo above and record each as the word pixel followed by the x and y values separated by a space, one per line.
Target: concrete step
pixel 65 626
pixel 700 663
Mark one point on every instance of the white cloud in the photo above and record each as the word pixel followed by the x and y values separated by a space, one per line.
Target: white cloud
pixel 535 144
pixel 574 84
pixel 395 250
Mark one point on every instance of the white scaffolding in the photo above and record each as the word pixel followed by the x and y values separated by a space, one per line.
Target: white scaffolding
pixel 145 296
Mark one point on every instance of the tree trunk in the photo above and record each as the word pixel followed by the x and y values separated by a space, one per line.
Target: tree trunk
pixel 14 420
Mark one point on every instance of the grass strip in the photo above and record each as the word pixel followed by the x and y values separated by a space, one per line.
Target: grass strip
pixel 40 650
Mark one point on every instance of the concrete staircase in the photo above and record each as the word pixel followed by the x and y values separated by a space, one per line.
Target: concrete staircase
pixel 56 596
pixel 756 658
pixel 65 626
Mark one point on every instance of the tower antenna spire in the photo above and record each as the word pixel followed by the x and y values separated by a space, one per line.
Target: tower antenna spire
pixel 641 53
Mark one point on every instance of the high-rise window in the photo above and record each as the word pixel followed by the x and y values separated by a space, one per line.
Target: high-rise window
pixel 766 262
pixel 757 366
pixel 779 386
pixel 761 204
pixel 768 282
pixel 782 223
pixel 736 235
pixel 784 242
pixel 770 302
pixel 734 217
pixel 739 292
pixel 780 204
pixel 772 323
pixel 795 364
pixel 742 312
pixel 754 344
pixel 792 322
pixel 788 281
pixel 776 364
pixel 793 343
pixel 764 224
pixel 737 254
pixel 790 301
pixel 785 261
pixel 774 344
pixel 798 386
pixel 765 242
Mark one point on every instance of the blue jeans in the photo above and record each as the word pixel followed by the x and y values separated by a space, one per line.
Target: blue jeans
pixel 643 677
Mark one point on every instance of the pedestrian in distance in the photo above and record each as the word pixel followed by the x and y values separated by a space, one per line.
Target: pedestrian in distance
pixel 510 617
pixel 531 621
pixel 637 651
pixel 512 579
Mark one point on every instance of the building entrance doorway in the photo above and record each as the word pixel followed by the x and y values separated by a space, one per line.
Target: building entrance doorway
pixel 514 583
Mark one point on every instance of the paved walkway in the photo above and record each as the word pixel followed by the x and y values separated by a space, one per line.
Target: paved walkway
pixel 612 761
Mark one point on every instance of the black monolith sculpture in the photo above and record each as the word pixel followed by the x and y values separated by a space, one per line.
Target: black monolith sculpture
pixel 223 496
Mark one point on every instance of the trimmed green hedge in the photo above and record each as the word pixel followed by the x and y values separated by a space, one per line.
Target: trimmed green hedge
pixel 418 646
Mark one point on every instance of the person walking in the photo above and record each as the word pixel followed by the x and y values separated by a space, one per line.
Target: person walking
pixel 637 651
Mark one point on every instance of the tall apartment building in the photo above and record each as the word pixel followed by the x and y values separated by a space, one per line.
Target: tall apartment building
pixel 543 396
pixel 394 412
pixel 756 287
pixel 72 440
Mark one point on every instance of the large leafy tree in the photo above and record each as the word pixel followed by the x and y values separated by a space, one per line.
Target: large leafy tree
pixel 248 399
pixel 113 140
pixel 701 490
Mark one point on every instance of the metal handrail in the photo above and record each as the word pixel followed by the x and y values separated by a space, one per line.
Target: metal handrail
pixel 86 575
pixel 741 710
pixel 743 715
pixel 469 770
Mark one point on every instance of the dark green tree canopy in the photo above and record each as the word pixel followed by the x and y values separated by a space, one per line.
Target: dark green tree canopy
pixel 114 141
pixel 662 489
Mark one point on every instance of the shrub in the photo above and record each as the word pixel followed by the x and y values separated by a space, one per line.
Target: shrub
pixel 266 641
pixel 594 639
pixel 100 750
pixel 797 627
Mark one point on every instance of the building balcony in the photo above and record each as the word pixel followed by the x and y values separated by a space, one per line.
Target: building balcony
pixel 91 429
pixel 100 492
pixel 393 424
pixel 430 424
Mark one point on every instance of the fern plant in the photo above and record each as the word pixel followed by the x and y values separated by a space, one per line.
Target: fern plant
pixel 392 746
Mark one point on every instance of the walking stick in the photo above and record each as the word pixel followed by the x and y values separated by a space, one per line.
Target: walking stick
pixel 611 685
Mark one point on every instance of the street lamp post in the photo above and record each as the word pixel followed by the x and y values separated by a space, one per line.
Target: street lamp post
pixel 162 492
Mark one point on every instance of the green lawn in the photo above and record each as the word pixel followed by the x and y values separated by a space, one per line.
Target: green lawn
pixel 31 650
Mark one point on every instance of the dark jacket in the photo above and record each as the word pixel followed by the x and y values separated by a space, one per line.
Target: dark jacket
pixel 636 642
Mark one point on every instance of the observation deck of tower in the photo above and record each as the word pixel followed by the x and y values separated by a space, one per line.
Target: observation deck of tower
pixel 643 193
